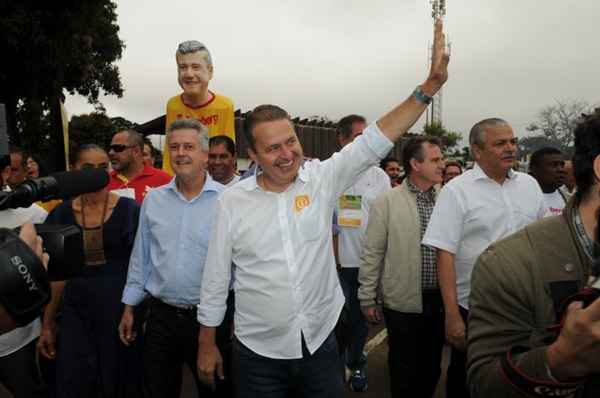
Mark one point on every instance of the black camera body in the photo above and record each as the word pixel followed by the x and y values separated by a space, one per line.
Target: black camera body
pixel 64 245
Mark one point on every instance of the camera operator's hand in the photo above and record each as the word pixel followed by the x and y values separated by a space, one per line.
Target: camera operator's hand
pixel 47 340
pixel 576 352
pixel 126 332
pixel 29 236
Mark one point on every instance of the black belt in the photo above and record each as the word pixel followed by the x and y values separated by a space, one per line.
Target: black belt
pixel 182 311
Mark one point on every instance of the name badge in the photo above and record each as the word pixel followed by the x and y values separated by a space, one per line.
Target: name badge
pixel 350 211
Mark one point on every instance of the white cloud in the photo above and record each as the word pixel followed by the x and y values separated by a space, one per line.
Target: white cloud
pixel 333 57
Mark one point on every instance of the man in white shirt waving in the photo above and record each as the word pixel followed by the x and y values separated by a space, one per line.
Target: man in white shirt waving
pixel 474 210
pixel 275 227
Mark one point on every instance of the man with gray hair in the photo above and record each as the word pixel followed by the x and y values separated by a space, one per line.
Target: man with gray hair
pixel 194 72
pixel 130 177
pixel 167 263
pixel 474 210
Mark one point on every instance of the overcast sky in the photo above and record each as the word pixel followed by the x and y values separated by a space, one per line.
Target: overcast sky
pixel 334 57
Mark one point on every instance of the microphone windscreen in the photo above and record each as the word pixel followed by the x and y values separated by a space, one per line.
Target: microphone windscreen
pixel 78 182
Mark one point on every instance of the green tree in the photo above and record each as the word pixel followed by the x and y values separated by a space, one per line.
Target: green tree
pixel 449 138
pixel 557 122
pixel 96 128
pixel 47 48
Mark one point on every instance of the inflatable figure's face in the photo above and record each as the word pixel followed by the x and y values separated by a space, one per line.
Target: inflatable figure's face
pixel 193 72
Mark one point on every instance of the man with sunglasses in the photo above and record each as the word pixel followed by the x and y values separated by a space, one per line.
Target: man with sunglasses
pixel 130 177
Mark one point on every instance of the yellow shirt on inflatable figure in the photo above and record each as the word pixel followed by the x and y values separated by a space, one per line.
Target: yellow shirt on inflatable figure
pixel 194 71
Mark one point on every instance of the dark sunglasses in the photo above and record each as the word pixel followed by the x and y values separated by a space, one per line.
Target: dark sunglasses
pixel 118 148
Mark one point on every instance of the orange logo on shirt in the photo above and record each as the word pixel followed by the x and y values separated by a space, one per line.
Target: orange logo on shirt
pixel 301 202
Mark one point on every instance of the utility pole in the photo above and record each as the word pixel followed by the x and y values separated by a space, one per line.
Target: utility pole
pixel 434 113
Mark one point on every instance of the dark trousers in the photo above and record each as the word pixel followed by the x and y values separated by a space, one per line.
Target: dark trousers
pixel 19 373
pixel 91 361
pixel 456 386
pixel 415 348
pixel 355 359
pixel 171 339
pixel 312 376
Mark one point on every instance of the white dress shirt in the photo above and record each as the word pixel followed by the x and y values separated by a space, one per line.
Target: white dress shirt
pixel 473 211
pixel 285 280
pixel 370 184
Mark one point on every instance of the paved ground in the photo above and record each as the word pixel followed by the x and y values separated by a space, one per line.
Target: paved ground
pixel 377 372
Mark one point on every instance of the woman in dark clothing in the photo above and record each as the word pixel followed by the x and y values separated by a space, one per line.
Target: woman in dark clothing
pixel 91 360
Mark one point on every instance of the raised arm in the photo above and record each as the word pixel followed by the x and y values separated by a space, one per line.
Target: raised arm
pixel 400 119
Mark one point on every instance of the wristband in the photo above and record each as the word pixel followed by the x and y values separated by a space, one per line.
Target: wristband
pixel 421 96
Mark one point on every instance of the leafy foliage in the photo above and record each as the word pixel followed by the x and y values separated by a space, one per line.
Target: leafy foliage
pixel 49 47
pixel 449 138
pixel 557 122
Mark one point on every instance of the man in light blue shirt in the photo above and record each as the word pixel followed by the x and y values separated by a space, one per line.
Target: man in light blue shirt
pixel 167 263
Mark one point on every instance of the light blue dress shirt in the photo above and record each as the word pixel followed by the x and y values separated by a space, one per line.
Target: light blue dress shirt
pixel 170 248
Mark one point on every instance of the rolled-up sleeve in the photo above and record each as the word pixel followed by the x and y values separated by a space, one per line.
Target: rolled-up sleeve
pixel 366 150
pixel 445 227
pixel 139 267
pixel 217 271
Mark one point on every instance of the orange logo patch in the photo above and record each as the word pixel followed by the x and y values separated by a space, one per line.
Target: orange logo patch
pixel 301 202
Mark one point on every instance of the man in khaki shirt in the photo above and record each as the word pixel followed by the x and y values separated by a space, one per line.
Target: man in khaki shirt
pixel 393 253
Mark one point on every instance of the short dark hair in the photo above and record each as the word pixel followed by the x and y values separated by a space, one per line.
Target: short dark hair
pixel 383 164
pixel 413 149
pixel 587 147
pixel 538 156
pixel 16 149
pixel 84 148
pixel 453 163
pixel 134 138
pixel 261 114
pixel 344 126
pixel 223 140
pixel 42 169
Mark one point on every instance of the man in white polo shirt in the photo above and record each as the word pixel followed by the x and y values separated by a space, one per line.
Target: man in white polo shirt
pixel 474 210
pixel 275 227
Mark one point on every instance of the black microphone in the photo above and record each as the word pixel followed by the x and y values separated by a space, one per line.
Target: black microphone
pixel 63 185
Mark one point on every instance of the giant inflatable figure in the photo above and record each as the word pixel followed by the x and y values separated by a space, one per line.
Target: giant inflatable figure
pixel 194 72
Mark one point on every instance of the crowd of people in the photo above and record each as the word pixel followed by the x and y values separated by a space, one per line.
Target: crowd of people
pixel 246 279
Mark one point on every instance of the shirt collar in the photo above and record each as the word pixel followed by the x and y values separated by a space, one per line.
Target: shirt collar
pixel 146 171
pixel 252 184
pixel 480 174
pixel 414 189
pixel 209 185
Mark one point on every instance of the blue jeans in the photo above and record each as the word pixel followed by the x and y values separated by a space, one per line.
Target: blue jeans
pixel 312 376
pixel 355 359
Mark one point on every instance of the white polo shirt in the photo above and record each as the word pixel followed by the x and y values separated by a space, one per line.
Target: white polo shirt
pixel 473 211
pixel 285 280
pixel 372 183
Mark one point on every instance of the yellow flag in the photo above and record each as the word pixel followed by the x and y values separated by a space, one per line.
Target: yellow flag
pixel 65 126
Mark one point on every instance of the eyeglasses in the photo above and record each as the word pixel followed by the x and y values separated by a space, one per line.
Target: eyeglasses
pixel 119 148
